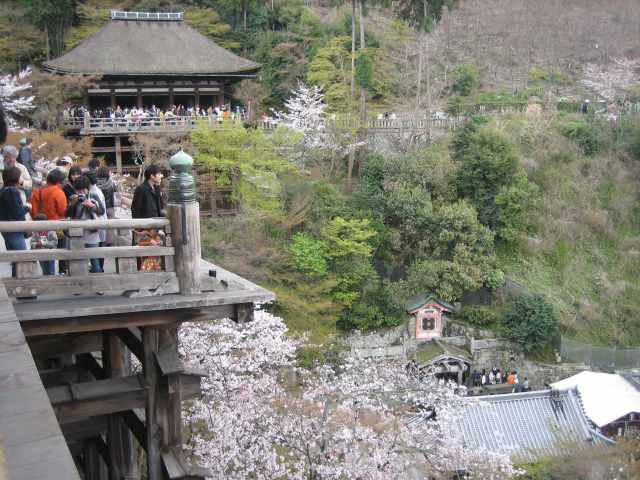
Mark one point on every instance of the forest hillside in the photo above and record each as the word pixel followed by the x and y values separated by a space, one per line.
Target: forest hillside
pixel 534 190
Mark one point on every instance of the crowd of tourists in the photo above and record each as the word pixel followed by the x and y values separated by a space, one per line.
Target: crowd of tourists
pixel 495 376
pixel 136 116
pixel 75 193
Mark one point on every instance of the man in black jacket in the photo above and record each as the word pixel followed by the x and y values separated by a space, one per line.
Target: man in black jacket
pixel 147 202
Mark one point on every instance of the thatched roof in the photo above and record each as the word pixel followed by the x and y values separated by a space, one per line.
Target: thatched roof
pixel 126 47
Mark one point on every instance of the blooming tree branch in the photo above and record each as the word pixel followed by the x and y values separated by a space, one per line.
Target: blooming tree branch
pixel 12 100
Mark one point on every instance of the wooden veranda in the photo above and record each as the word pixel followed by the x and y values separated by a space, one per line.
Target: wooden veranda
pixel 71 407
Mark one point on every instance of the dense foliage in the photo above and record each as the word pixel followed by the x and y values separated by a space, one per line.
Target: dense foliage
pixel 531 322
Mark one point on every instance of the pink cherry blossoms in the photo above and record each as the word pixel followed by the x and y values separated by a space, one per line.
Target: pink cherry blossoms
pixel 262 417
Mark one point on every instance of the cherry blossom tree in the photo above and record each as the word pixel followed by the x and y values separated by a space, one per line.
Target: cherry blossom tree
pixel 262 417
pixel 12 99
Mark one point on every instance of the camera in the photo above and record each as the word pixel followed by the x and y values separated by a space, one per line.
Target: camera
pixel 81 197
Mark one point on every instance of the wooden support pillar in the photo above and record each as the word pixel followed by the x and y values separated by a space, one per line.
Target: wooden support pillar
pixel 118 142
pixel 171 99
pixel 93 465
pixel 243 312
pixel 183 211
pixel 139 99
pixel 122 460
pixel 171 394
pixel 77 268
pixel 150 341
pixel 113 99
pixel 196 94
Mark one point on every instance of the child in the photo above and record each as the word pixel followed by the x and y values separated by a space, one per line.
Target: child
pixel 45 239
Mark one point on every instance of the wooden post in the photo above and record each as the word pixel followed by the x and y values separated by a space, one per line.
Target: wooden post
pixel 150 346
pixel 118 141
pixel 171 396
pixel 122 461
pixel 184 215
pixel 77 268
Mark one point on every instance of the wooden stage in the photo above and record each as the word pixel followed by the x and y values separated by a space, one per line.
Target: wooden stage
pixel 71 407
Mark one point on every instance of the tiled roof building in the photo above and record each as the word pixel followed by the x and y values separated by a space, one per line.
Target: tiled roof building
pixel 528 426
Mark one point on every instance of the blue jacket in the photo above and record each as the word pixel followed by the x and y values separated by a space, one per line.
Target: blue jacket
pixel 11 206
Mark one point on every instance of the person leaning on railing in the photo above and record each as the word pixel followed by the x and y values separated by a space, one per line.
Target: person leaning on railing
pixel 84 206
pixel 13 209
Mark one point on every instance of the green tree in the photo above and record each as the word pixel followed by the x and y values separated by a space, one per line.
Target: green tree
pixel 514 203
pixel 208 22
pixel 465 79
pixel 247 159
pixel 531 322
pixel 309 255
pixel 488 163
pixel 330 69
pixel 348 238
pixel 54 17
pixel 460 255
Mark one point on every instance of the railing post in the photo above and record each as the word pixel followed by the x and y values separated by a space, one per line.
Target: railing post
pixel 184 216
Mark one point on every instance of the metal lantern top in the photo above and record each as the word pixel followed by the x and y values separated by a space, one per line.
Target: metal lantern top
pixel 182 187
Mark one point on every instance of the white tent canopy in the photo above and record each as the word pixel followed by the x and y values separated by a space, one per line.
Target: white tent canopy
pixel 606 397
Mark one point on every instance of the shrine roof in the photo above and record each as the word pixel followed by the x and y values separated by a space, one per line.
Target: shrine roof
pixel 151 47
pixel 422 299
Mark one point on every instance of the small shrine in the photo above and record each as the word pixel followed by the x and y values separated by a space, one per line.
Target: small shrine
pixel 428 316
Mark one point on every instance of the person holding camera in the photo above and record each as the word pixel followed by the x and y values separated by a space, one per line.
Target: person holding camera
pixel 85 206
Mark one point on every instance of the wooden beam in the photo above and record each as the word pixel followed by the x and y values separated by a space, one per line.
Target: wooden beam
pixel 150 339
pixel 135 422
pixel 91 283
pixel 122 462
pixel 72 344
pixel 100 397
pixel 82 428
pixel 88 362
pixel 86 253
pixel 113 224
pixel 132 338
pixel 116 322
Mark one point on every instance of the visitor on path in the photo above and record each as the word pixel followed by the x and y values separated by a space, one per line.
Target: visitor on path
pixel 25 156
pixel 45 239
pixel 10 154
pixel 511 379
pixel 13 209
pixel 483 378
pixel 147 201
pixel 109 189
pixel 51 200
pixel 492 377
pixel 498 376
pixel 95 191
pixel 84 206
pixel 74 173
pixel 525 385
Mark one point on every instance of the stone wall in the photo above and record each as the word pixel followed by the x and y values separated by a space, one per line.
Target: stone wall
pixel 454 328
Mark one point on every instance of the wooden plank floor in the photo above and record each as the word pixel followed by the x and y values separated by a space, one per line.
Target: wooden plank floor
pixel 238 291
pixel 33 444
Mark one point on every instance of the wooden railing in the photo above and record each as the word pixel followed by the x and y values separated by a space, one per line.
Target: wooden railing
pixel 121 260
pixel 105 126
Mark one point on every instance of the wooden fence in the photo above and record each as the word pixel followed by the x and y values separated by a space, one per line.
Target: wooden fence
pixel 123 259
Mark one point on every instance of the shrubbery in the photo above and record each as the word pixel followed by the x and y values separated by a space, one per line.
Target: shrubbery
pixel 308 255
pixel 479 316
pixel 531 322
pixel 589 136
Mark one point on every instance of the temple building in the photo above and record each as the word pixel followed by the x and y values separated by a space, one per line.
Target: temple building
pixel 143 60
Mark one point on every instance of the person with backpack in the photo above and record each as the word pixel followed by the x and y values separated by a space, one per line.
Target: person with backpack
pixel 85 206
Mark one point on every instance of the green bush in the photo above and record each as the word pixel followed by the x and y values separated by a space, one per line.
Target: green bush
pixel 589 136
pixel 531 322
pixel 479 316
pixel 568 107
pixel 308 255
pixel 466 80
